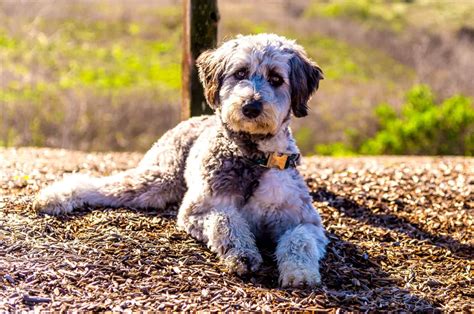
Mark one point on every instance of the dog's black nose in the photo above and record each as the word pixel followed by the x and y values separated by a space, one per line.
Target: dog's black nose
pixel 253 109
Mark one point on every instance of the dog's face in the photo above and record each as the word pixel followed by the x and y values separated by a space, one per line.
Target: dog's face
pixel 255 82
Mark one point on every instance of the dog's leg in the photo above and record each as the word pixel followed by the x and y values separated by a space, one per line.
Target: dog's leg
pixel 224 230
pixel 137 188
pixel 298 253
pixel 229 235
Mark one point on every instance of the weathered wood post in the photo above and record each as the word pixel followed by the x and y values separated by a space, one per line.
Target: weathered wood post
pixel 200 33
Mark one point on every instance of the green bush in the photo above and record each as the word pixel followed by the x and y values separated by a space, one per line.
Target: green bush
pixel 422 128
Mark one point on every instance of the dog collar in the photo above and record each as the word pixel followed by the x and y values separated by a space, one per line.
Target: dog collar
pixel 278 160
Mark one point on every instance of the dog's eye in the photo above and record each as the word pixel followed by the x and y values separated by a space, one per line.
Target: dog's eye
pixel 275 80
pixel 241 74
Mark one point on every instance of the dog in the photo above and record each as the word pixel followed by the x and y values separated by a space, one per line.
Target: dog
pixel 233 173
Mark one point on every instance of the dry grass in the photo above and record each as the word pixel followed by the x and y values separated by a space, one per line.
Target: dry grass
pixel 401 233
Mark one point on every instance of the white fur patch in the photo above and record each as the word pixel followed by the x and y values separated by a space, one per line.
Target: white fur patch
pixel 278 188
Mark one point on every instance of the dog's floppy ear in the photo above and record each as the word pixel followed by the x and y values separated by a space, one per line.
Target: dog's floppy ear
pixel 211 66
pixel 304 80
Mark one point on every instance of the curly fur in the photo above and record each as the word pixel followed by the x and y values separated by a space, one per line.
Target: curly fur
pixel 205 163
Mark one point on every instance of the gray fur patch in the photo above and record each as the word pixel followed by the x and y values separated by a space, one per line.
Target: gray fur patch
pixel 228 168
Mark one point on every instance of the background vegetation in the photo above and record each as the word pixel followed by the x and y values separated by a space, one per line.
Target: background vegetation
pixel 105 75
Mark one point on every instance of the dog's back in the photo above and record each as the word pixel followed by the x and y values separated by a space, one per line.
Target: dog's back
pixel 171 151
pixel 157 181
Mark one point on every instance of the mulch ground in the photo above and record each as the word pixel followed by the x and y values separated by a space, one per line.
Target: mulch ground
pixel 401 232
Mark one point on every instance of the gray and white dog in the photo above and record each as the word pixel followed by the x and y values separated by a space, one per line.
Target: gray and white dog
pixel 234 173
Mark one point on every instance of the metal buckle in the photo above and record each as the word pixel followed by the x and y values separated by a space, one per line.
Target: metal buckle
pixel 277 161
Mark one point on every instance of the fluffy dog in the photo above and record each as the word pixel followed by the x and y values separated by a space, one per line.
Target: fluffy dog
pixel 234 173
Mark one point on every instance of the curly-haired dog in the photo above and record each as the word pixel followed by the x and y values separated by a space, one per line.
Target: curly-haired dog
pixel 234 173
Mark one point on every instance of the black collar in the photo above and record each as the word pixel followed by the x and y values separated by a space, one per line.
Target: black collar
pixel 278 160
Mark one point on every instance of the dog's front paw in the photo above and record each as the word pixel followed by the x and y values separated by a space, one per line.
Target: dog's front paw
pixel 243 261
pixel 299 276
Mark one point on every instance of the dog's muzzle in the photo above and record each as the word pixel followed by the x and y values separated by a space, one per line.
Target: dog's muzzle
pixel 252 109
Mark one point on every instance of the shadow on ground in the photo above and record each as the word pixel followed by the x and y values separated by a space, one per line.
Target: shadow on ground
pixel 388 221
pixel 352 281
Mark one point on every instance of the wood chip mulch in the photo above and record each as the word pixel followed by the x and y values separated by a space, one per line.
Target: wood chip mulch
pixel 401 232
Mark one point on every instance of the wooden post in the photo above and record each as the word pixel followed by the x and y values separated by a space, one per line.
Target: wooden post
pixel 200 33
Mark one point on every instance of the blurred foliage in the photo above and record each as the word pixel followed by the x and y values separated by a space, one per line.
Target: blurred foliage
pixel 376 12
pixel 422 128
pixel 80 56
pixel 70 80
pixel 352 64
pixel 397 15
pixel 107 76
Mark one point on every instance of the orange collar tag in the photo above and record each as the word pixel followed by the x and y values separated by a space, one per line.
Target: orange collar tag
pixel 276 160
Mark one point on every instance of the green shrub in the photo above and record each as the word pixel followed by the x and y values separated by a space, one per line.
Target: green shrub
pixel 422 128
pixel 337 149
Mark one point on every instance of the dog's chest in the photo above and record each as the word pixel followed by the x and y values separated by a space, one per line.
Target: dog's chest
pixel 280 201
pixel 278 189
pixel 235 177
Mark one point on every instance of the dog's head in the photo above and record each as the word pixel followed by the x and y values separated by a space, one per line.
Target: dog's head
pixel 254 82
